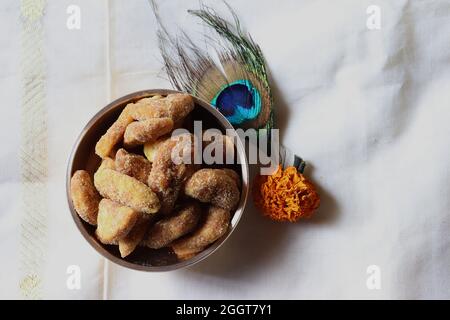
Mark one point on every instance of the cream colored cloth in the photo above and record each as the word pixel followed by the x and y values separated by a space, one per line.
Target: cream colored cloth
pixel 367 109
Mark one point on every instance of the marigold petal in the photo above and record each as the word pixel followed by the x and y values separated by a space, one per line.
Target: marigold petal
pixel 286 195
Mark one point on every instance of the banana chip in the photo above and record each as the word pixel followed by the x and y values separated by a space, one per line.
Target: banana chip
pixel 126 190
pixel 85 198
pixel 114 221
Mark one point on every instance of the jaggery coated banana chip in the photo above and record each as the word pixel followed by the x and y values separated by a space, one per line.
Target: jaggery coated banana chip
pixel 141 132
pixel 149 108
pixel 107 163
pixel 215 225
pixel 175 106
pixel 114 134
pixel 151 148
pixel 218 148
pixel 213 186
pixel 167 177
pixel 234 175
pixel 114 221
pixel 133 165
pixel 128 243
pixel 126 190
pixel 165 231
pixel 85 198
pixel 179 105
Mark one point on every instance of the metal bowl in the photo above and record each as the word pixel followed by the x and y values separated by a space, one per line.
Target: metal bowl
pixel 84 157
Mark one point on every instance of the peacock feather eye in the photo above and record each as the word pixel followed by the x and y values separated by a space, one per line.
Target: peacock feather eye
pixel 238 101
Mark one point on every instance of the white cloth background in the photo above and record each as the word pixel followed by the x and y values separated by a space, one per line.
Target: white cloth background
pixel 368 110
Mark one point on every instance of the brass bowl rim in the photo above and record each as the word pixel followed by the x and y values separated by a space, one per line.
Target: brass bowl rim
pixel 121 102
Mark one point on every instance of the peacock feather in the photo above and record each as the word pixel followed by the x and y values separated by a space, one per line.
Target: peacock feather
pixel 236 82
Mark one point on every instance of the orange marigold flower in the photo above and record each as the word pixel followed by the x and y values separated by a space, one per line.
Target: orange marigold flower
pixel 286 195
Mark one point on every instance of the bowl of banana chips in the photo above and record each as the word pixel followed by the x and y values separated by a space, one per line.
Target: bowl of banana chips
pixel 157 180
